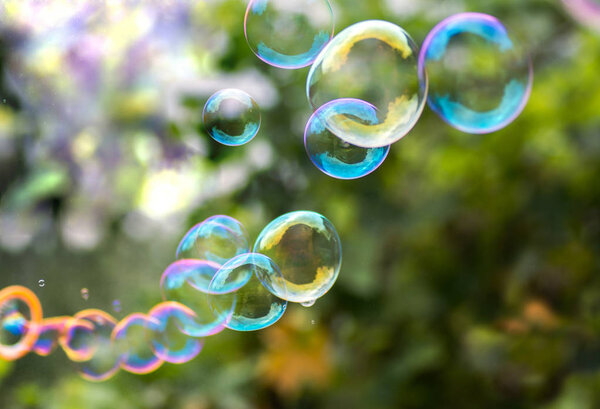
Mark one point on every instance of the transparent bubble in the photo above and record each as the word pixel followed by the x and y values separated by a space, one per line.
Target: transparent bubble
pixel 587 12
pixel 186 282
pixel 104 362
pixel 132 340
pixel 116 306
pixel 51 330
pixel 42 283
pixel 334 156
pixel 216 239
pixel 85 294
pixel 78 340
pixel 479 78
pixel 231 117
pixel 374 61
pixel 241 293
pixel 288 33
pixel 308 251
pixel 168 342
pixel 20 316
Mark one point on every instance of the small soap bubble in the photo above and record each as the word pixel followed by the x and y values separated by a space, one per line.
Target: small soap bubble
pixel 313 322
pixel 216 239
pixel 288 33
pixel 307 249
pixel 116 304
pixel 374 61
pixel 42 283
pixel 241 293
pixel 85 294
pixel 334 156
pixel 480 79
pixel 231 117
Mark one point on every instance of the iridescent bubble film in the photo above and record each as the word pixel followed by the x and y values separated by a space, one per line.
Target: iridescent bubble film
pixel 186 282
pixel 480 79
pixel 132 339
pixel 242 292
pixel 216 239
pixel 51 330
pixel 288 33
pixel 105 360
pixel 334 156
pixel 167 340
pixel 374 61
pixel 231 117
pixel 20 315
pixel 79 340
pixel 307 249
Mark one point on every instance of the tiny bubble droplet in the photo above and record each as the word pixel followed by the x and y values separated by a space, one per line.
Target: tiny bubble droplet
pixel 308 303
pixel 42 283
pixel 85 294
pixel 117 306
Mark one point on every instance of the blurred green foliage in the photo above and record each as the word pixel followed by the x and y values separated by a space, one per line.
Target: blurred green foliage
pixel 470 271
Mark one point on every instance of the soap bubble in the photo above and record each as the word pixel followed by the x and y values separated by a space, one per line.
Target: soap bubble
pixel 186 282
pixel 332 155
pixel 105 360
pixel 587 12
pixel 42 283
pixel 307 249
pixel 216 239
pixel 288 33
pixel 168 342
pixel 20 316
pixel 116 306
pixel 231 117
pixel 132 340
pixel 479 78
pixel 85 294
pixel 374 61
pixel 50 331
pixel 241 293
pixel 78 339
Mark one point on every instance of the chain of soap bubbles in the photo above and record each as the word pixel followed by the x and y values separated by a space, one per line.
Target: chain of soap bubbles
pixel 217 282
pixel 368 84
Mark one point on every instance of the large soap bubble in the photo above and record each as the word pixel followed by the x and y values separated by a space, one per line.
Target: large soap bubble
pixel 231 117
pixel 334 156
pixel 242 293
pixel 307 249
pixel 288 33
pixel 374 61
pixel 479 78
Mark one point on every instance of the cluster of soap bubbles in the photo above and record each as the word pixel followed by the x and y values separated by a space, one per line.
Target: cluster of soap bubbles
pixel 216 282
pixel 368 85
